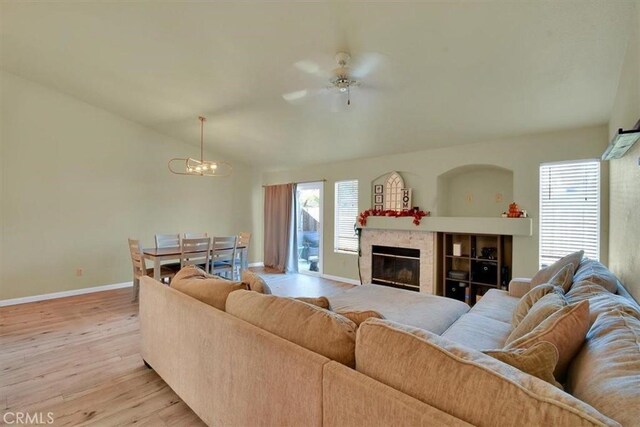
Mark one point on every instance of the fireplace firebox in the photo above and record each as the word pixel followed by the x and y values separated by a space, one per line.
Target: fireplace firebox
pixel 396 267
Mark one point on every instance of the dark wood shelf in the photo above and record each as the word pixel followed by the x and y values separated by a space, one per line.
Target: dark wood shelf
pixel 471 246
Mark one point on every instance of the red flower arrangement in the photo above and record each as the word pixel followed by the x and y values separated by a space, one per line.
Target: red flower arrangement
pixel 415 213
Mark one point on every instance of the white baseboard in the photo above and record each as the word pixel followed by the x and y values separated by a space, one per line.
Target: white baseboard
pixel 54 295
pixel 341 279
pixel 256 264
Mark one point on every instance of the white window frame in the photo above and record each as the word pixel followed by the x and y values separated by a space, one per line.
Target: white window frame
pixel 542 240
pixel 336 220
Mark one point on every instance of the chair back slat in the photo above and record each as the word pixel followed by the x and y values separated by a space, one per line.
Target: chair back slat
pixel 244 238
pixel 223 258
pixel 137 258
pixel 224 248
pixel 167 240
pixel 194 235
pixel 195 252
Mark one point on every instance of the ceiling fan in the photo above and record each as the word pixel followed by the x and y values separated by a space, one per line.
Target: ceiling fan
pixel 341 80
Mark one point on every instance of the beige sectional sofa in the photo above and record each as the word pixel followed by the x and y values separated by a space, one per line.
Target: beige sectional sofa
pixel 408 370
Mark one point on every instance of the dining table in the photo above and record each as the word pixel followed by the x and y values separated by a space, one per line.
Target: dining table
pixel 158 255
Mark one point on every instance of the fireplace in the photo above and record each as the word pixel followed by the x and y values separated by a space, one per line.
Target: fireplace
pixel 396 267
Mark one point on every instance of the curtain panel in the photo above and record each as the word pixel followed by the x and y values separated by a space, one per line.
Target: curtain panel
pixel 278 208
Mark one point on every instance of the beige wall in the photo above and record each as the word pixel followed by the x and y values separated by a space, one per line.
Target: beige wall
pixel 77 181
pixel 625 172
pixel 420 170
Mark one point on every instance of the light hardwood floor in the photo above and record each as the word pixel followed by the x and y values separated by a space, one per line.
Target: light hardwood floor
pixel 79 358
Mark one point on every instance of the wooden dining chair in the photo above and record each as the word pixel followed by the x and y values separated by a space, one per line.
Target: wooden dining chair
pixel 244 238
pixel 140 267
pixel 223 257
pixel 195 235
pixel 196 252
pixel 167 240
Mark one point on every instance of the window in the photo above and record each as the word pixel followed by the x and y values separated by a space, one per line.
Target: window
pixel 569 209
pixel 345 239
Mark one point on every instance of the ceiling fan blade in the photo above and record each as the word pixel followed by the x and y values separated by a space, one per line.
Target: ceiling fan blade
pixel 295 95
pixel 365 64
pixel 299 96
pixel 307 66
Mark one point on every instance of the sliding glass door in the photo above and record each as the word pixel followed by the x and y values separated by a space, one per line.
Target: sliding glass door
pixel 309 227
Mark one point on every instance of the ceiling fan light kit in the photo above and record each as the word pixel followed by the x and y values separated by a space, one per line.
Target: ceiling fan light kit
pixel 202 167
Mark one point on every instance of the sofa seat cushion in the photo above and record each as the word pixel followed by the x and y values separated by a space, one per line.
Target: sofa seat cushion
pixel 496 304
pixel 425 311
pixel 601 300
pixel 545 274
pixel 595 272
pixel 606 372
pixel 478 332
pixel 463 382
pixel 307 325
pixel 205 287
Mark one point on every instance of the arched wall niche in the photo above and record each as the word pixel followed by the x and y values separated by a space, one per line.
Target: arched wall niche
pixel 475 191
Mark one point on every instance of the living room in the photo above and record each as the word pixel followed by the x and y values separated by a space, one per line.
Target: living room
pixel 471 105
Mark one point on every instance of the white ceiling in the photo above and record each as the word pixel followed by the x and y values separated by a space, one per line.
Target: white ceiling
pixel 453 72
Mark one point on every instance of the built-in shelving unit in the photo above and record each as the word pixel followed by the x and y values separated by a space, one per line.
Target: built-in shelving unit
pixel 474 263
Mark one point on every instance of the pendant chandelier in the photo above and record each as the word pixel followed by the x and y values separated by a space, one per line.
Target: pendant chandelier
pixel 202 167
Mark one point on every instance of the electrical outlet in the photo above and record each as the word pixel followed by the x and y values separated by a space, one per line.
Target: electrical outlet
pixel 79 272
pixel 499 198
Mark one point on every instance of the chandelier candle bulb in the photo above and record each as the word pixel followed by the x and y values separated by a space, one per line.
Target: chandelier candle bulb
pixel 200 167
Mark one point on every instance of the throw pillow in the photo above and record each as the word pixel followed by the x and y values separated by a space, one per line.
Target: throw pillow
pixel 539 360
pixel 209 289
pixel 321 302
pixel 358 317
pixel 565 329
pixel 545 274
pixel 526 302
pixel 255 282
pixel 311 327
pixel 539 311
pixel 563 278
pixel 606 372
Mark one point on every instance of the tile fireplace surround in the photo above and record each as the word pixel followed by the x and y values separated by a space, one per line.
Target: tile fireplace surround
pixel 423 240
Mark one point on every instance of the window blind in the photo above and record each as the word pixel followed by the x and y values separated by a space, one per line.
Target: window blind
pixel 346 213
pixel 569 209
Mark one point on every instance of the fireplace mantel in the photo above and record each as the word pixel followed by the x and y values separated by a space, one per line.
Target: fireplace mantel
pixel 504 226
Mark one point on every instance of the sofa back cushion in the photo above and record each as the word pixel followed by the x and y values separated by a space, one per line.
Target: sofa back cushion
pixel 545 274
pixel 601 300
pixel 606 372
pixel 255 282
pixel 463 382
pixel 209 289
pixel 307 325
pixel 594 272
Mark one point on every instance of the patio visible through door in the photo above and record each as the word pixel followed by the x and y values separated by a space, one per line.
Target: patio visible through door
pixel 309 227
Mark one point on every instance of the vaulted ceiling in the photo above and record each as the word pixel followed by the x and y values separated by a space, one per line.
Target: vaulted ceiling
pixel 447 72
